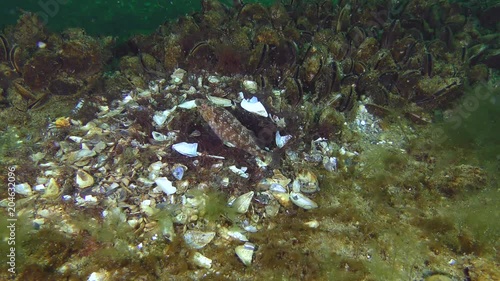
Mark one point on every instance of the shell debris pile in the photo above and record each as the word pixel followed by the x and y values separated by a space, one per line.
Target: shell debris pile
pixel 224 126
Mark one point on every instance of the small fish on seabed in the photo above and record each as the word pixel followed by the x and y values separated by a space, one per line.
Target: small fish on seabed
pixel 230 130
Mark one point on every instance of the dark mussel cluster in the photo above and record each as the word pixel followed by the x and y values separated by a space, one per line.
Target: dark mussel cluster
pixel 35 63
pixel 396 53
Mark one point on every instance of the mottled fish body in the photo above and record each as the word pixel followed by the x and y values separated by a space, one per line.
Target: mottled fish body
pixel 229 129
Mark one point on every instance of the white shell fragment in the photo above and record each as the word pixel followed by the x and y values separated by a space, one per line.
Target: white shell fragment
pixel 236 234
pixel 75 139
pixel 23 189
pixel 242 203
pixel 276 187
pixel 255 106
pixel 312 224
pixel 239 171
pixel 198 239
pixel 84 179
pixel 302 201
pixel 99 276
pixel 159 136
pixel 245 253
pixel 147 208
pixel 186 149
pixel 202 261
pixel 165 185
pixel 190 104
pixel 250 86
pixel 281 140
pixel 161 116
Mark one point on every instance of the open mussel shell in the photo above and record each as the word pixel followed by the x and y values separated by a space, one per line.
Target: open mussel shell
pixel 242 203
pixel 178 171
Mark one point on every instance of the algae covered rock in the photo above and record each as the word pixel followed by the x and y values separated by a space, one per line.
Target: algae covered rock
pixel 458 179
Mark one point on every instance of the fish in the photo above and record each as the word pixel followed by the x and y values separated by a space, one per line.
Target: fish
pixel 230 130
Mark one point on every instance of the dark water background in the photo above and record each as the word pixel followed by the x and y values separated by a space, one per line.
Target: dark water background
pixel 103 17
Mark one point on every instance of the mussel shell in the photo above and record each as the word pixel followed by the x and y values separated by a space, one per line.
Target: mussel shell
pixel 4 48
pixel 356 35
pixel 302 201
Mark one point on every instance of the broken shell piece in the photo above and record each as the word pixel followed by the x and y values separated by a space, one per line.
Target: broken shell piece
pixel 165 185
pixel 147 208
pixel 232 233
pixel 302 201
pixel 52 189
pixel 281 140
pixel 312 224
pixel 101 275
pixel 255 106
pixel 198 239
pixel 276 187
pixel 283 198
pixel 239 171
pixel 190 104
pixel 186 149
pixel 278 178
pixel 159 136
pixel 202 261
pixel 236 234
pixel 84 179
pixel 75 139
pixel 178 171
pixel 161 116
pixel 242 203
pixel 80 155
pixel 250 86
pixel 23 189
pixel 245 253
pixel 305 181
pixel 220 101
pixel 330 164
pixel 178 76
pixel 213 79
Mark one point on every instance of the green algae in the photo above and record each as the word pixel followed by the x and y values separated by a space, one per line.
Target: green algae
pixel 470 133
pixel 476 219
pixel 10 142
